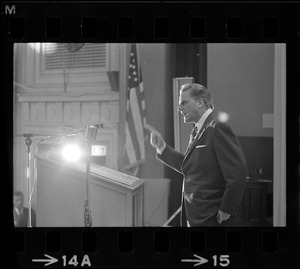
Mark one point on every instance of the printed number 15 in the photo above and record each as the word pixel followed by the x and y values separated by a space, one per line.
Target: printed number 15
pixel 223 260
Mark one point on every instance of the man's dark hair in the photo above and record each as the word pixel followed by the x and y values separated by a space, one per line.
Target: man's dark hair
pixel 198 92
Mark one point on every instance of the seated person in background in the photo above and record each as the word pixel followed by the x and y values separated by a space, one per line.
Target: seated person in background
pixel 21 213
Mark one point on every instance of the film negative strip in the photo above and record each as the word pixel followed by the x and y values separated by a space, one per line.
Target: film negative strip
pixel 70 67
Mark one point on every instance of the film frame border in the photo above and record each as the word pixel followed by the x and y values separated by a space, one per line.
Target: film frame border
pixel 247 22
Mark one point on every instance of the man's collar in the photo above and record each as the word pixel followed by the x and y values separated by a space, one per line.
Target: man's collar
pixel 203 118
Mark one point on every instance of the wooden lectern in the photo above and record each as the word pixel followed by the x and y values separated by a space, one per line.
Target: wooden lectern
pixel 115 198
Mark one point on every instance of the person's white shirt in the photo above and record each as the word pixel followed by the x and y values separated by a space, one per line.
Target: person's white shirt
pixel 19 211
pixel 201 121
pixel 199 125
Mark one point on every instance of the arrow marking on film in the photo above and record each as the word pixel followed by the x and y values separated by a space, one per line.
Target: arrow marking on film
pixel 198 261
pixel 49 261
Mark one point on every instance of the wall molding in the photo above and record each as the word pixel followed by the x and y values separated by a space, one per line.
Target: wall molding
pixel 67 97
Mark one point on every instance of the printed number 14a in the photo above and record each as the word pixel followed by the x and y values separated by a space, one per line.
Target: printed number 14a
pixel 223 260
pixel 73 261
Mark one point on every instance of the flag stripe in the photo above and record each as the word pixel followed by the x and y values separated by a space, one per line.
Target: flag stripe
pixel 141 87
pixel 134 136
pixel 140 97
pixel 129 147
pixel 143 105
pixel 137 121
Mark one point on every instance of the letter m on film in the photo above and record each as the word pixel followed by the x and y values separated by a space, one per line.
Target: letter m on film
pixel 10 10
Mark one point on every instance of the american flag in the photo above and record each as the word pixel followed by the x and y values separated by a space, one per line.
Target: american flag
pixel 135 115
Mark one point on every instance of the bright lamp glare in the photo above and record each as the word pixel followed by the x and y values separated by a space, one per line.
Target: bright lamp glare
pixel 223 117
pixel 71 153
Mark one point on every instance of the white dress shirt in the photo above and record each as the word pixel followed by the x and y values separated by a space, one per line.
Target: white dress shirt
pixel 19 211
pixel 201 121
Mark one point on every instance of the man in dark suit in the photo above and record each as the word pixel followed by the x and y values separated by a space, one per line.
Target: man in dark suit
pixel 213 166
pixel 21 213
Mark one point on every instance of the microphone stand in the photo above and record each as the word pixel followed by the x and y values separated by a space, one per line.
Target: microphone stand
pixel 87 211
pixel 28 142
pixel 91 133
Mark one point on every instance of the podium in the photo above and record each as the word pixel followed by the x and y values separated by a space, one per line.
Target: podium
pixel 115 198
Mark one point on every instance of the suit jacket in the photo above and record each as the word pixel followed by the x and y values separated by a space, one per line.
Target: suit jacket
pixel 214 173
pixel 22 219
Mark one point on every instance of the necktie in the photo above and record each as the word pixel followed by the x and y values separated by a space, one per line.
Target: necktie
pixel 193 136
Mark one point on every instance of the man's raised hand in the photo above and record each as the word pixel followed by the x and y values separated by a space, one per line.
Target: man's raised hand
pixel 156 139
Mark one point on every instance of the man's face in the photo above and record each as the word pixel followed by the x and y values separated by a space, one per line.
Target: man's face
pixel 18 201
pixel 189 107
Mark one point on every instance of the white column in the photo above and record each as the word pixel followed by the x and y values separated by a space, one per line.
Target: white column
pixel 279 185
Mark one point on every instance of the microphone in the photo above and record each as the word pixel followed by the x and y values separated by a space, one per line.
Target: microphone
pixel 91 131
pixel 98 126
pixel 71 129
